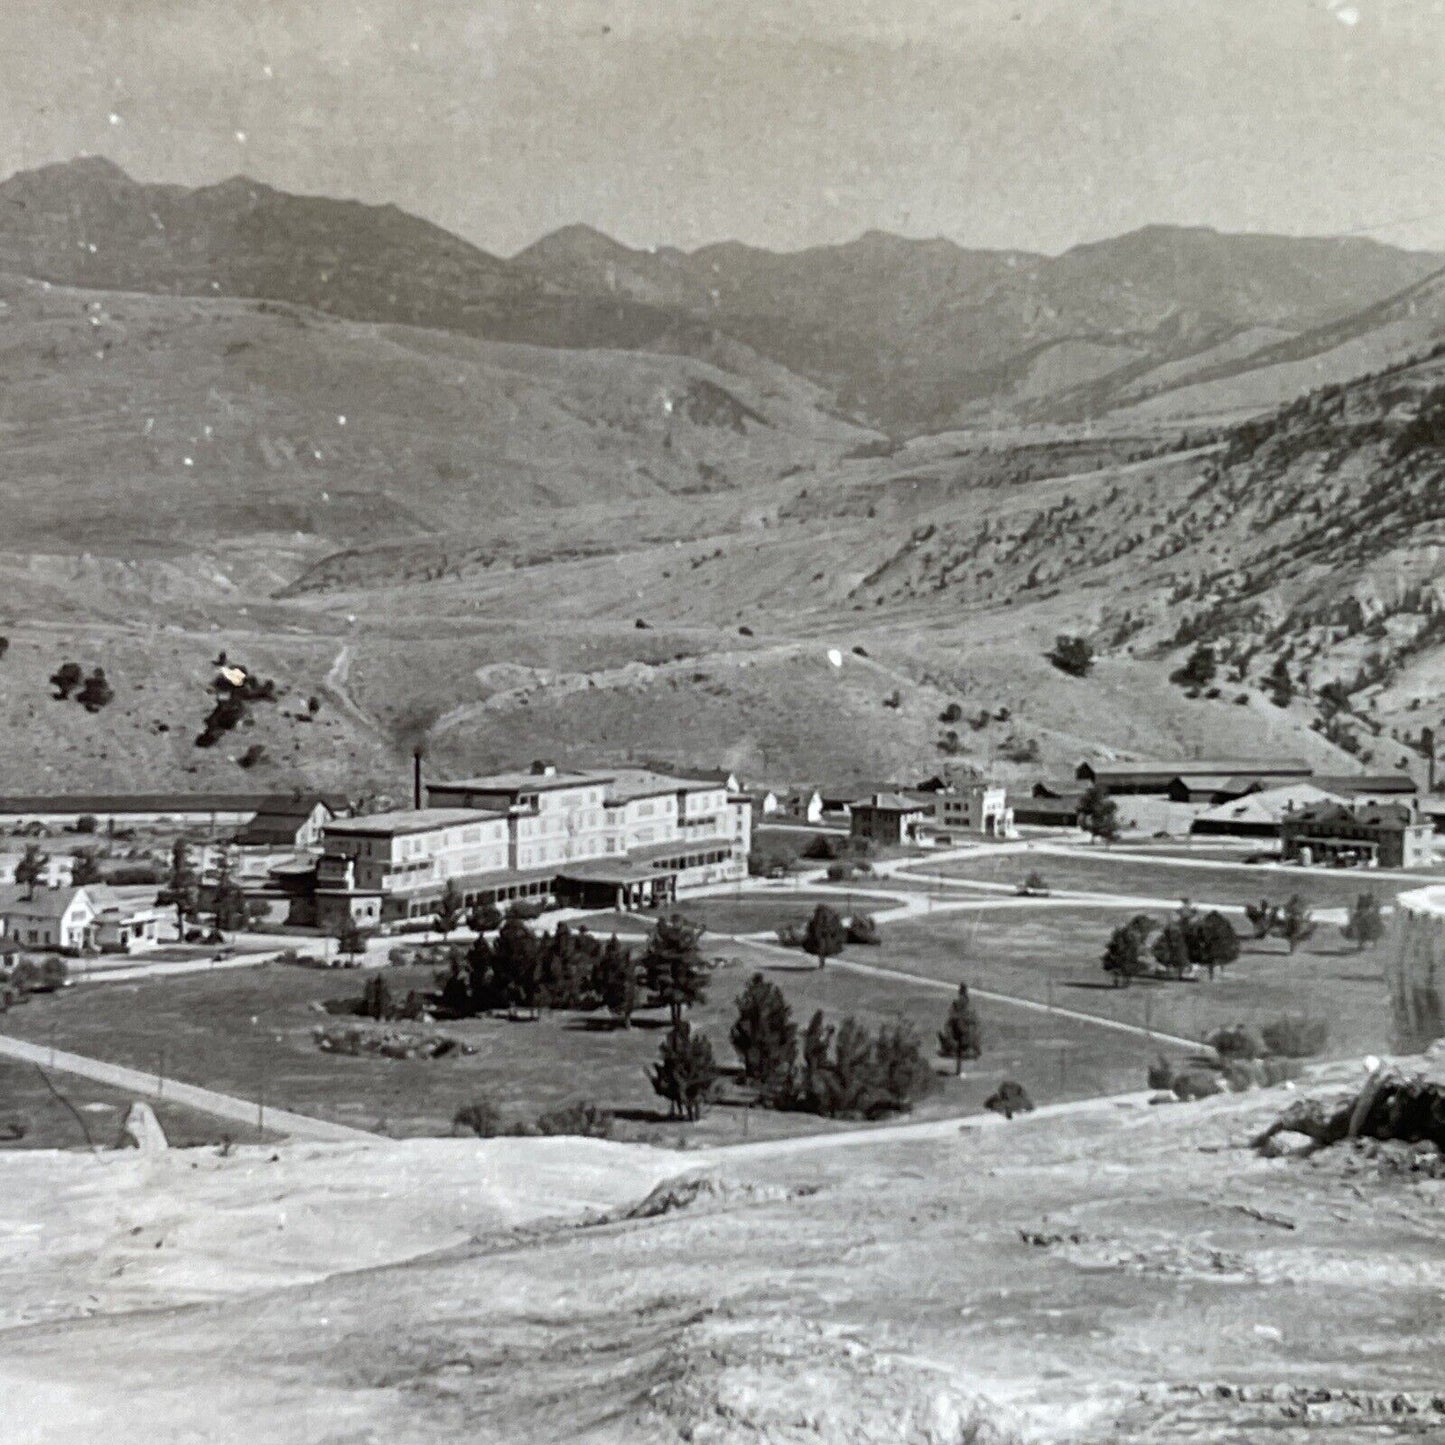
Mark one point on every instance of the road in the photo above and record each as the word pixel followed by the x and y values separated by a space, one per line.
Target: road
pixel 947 1128
pixel 208 1101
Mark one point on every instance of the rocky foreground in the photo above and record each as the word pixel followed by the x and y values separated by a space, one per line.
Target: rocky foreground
pixel 1124 1273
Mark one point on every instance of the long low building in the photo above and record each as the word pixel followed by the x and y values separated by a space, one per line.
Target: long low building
pixel 624 838
pixel 131 810
pixel 1195 776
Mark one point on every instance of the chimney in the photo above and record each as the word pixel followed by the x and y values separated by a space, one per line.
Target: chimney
pixel 416 778
pixel 542 769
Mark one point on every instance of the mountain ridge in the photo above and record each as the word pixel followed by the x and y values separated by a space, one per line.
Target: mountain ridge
pixel 913 335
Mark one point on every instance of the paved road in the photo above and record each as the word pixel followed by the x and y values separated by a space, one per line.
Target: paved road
pixel 208 1101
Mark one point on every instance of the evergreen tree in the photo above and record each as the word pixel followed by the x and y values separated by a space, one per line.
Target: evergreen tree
pixel 1364 926
pixel 1171 948
pixel 1213 941
pixel 962 1035
pixel 1263 917
pixel 902 1075
pixel 454 993
pixel 1124 955
pixel 30 870
pixel 1296 922
pixel 484 917
pixel 516 960
pixel 182 886
pixel 66 679
pixel 615 981
pixel 449 908
pixel 228 902
pixel 764 1036
pixel 1099 814
pixel 685 1071
pixel 484 991
pixel 376 1000
pixel 95 692
pixel 85 867
pixel 825 934
pixel 674 966
pixel 350 940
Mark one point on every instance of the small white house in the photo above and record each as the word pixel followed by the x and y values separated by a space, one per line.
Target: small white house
pixel 76 920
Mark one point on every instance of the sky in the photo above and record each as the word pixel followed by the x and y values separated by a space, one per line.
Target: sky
pixel 1032 124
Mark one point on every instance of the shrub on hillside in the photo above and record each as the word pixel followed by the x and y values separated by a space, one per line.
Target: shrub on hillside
pixel 1236 1041
pixel 481 1116
pixel 583 1118
pixel 1296 1038
pixel 1008 1099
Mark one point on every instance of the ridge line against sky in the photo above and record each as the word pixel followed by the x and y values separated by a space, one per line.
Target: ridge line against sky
pixel 1028 125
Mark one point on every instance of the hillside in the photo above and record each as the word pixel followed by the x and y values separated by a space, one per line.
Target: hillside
pixel 135 421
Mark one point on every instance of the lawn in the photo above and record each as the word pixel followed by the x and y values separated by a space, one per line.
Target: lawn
pixel 245 1031
pixel 49 1124
pixel 753 912
pixel 1120 873
pixel 1052 955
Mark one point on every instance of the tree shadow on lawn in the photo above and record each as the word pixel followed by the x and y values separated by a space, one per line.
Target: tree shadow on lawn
pixel 591 1024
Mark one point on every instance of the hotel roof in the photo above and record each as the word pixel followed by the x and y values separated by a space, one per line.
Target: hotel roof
pixel 519 781
pixel 409 820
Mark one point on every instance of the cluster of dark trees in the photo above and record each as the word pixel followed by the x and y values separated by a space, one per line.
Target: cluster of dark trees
pixel 1188 940
pixel 839 1070
pixel 92 692
pixel 826 933
pixel 1294 922
pixel 523 972
pixel 232 700
pixel 1073 655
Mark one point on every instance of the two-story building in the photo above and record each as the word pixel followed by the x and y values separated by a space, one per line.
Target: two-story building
pixel 70 919
pixel 978 808
pixel 1387 835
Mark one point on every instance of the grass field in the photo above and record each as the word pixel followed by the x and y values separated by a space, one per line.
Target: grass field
pixel 247 1031
pixel 1117 873
pixel 48 1124
pixel 750 913
pixel 1053 955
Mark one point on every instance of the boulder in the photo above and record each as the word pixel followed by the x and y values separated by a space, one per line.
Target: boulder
pixel 1287 1144
pixel 142 1130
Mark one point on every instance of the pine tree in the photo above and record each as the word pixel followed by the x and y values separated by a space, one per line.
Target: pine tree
pixel 85 867
pixel 962 1035
pixel 685 1071
pixel 484 992
pixel 484 917
pixel 449 908
pixel 1263 917
pixel 182 886
pixel 228 902
pixel 30 870
pixel 376 1002
pixel 902 1075
pixel 674 967
pixel 350 940
pixel 1171 948
pixel 615 981
pixel 1123 955
pixel 825 934
pixel 1098 814
pixel 1213 941
pixel 1364 926
pixel 1296 923
pixel 516 966
pixel 764 1035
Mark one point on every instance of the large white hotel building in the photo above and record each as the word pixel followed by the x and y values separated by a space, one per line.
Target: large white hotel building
pixel 626 837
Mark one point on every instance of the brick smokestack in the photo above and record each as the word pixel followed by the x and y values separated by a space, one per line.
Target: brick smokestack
pixel 416 778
